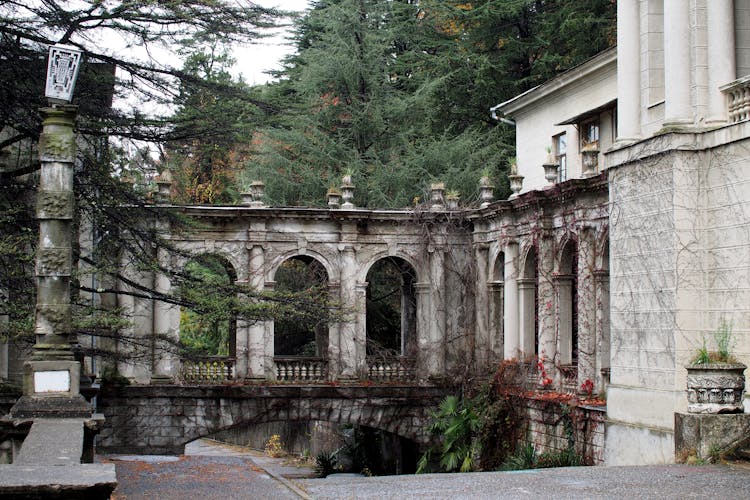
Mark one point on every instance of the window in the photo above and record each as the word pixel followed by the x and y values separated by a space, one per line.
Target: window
pixel 560 146
pixel 590 133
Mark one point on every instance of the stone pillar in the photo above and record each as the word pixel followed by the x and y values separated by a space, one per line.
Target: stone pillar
pixel 165 363
pixel 511 336
pixel 51 378
pixel 546 301
pixel 333 351
pixel 677 74
pixel 348 349
pixel 55 205
pixel 628 71
pixel 266 348
pixel 721 56
pixel 526 317
pixel 140 310
pixel 251 350
pixel 482 308
pixel 586 306
pixel 424 309
pixel 436 348
pixel 601 278
pixel 564 286
pixel 360 329
pixel 497 308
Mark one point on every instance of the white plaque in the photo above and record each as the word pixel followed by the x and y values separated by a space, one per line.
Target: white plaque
pixel 52 381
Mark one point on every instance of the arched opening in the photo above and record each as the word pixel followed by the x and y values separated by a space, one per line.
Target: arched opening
pixel 300 344
pixel 350 448
pixel 567 300
pixel 497 304
pixel 528 306
pixel 391 313
pixel 208 328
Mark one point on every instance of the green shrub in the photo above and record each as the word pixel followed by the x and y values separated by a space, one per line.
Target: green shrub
pixel 326 463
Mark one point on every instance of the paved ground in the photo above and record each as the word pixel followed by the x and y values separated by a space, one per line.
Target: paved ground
pixel 659 482
pixel 212 471
pixel 208 470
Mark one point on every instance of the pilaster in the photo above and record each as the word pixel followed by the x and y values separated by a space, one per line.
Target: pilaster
pixel 587 340
pixel 436 349
pixel 511 335
pixel 482 342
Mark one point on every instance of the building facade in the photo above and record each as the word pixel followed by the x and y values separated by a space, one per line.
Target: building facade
pixel 677 169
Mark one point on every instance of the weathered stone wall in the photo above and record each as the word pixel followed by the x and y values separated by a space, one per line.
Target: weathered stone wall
pixel 162 419
pixel 549 427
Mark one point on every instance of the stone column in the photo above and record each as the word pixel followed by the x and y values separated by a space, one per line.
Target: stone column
pixel 424 309
pixel 602 327
pixel 721 56
pixel 251 350
pixel 526 317
pixel 266 348
pixel 348 349
pixel 360 329
pixel 332 353
pixel 51 378
pixel 511 335
pixel 437 319
pixel 628 71
pixel 564 286
pixel 677 74
pixel 586 306
pixel 482 308
pixel 546 301
pixel 165 362
pixel 495 290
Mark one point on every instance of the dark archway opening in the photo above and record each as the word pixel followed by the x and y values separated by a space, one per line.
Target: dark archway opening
pixel 304 336
pixel 209 328
pixel 391 309
pixel 353 448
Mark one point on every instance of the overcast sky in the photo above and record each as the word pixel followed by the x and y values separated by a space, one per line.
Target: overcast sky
pixel 253 60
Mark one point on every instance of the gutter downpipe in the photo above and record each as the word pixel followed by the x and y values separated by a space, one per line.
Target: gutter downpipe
pixel 493 114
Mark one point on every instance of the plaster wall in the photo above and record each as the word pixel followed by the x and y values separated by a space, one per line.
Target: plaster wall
pixel 680 264
pixel 535 124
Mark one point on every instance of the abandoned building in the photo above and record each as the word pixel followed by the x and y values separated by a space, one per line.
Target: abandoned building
pixel 625 243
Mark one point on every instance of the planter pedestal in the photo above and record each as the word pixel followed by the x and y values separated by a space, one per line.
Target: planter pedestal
pixel 715 387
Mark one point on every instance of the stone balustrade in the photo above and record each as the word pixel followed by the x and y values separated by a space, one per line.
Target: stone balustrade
pixel 301 369
pixel 569 378
pixel 208 370
pixel 738 99
pixel 397 368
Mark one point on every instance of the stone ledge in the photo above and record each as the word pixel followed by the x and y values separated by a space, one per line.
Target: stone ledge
pixel 91 481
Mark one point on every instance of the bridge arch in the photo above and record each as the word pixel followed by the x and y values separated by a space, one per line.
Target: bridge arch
pixel 172 416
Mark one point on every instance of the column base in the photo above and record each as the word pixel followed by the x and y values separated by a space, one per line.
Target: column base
pixel 51 407
pixel 160 380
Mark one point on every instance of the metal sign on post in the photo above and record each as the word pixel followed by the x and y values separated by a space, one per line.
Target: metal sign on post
pixel 62 71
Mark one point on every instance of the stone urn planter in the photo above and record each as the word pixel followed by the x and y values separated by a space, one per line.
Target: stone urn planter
pixel 715 387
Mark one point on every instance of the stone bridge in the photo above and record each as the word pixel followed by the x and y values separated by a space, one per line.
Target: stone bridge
pixel 162 419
